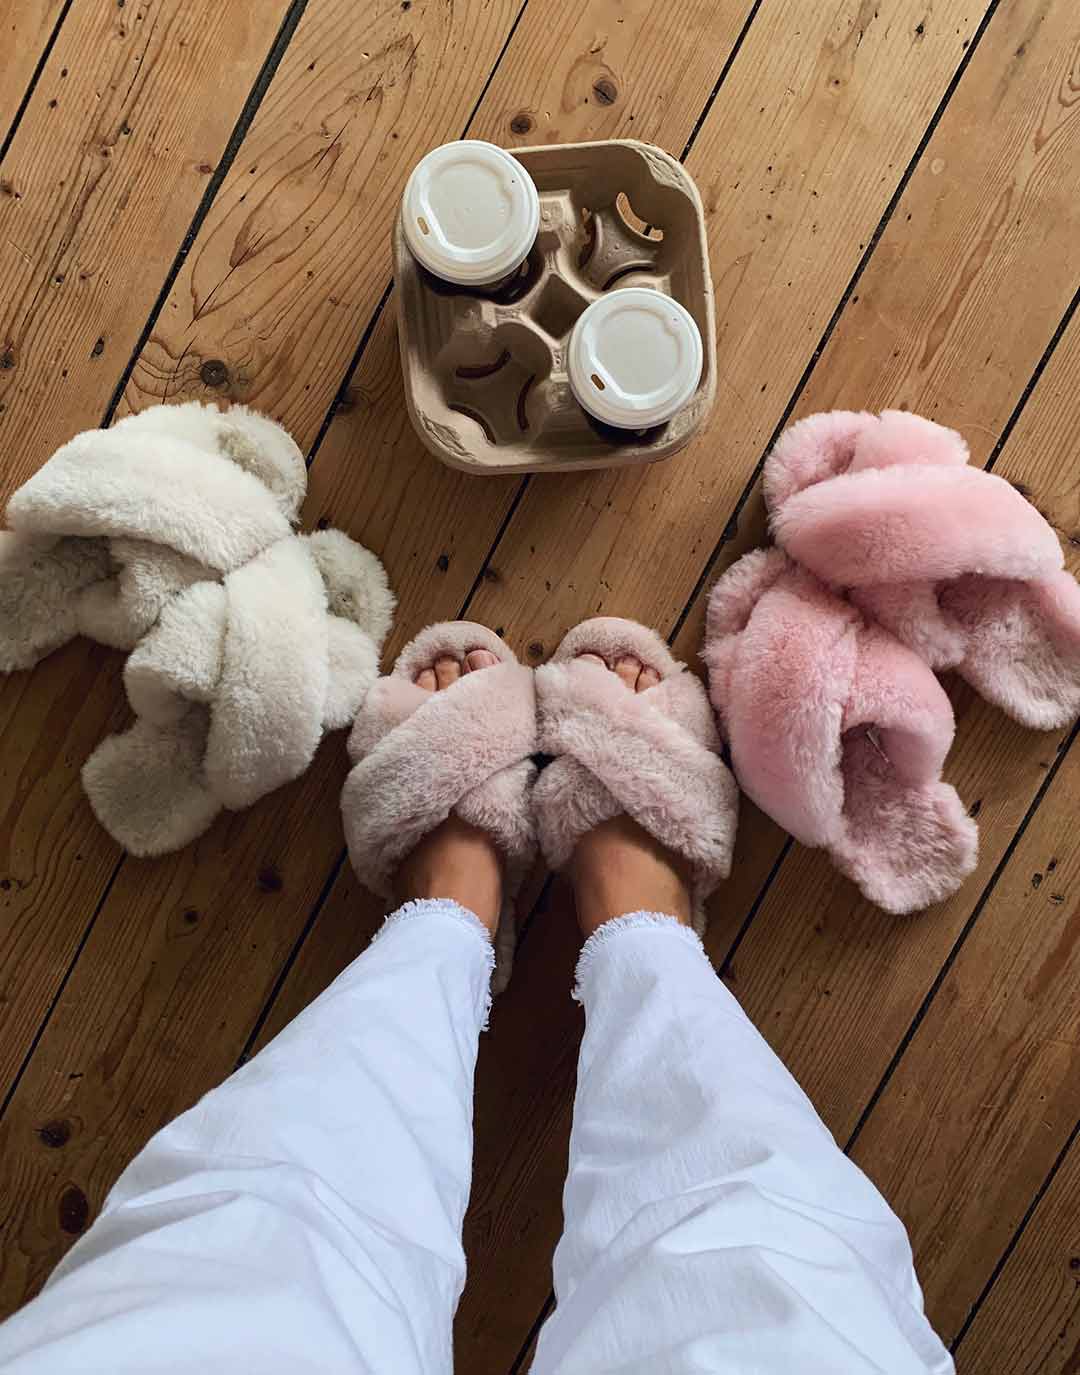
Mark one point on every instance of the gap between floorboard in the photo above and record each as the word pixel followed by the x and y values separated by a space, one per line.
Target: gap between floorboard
pixel 35 77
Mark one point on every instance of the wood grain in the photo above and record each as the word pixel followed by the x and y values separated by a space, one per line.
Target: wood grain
pixel 785 966
pixel 517 1185
pixel 371 473
pixel 99 187
pixel 293 258
pixel 97 191
pixel 988 1091
pixel 24 32
pixel 836 994
pixel 1030 1321
pixel 806 141
pixel 290 135
pixel 145 954
pixel 796 162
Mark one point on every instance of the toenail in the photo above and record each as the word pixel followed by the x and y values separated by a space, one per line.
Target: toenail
pixel 477 659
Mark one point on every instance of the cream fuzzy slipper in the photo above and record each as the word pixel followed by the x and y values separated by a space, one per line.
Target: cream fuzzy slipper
pixel 119 521
pixel 235 685
pixel 651 754
pixel 418 756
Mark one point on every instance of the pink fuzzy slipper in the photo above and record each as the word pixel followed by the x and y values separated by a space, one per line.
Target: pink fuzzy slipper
pixel 837 731
pixel 949 558
pixel 651 754
pixel 418 756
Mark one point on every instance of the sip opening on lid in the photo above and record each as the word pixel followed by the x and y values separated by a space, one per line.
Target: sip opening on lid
pixel 635 358
pixel 470 213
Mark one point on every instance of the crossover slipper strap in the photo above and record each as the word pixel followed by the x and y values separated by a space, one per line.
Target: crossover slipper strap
pixel 649 754
pixel 837 731
pixel 421 753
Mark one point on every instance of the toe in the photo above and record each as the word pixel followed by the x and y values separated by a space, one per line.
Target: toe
pixel 647 678
pixel 477 659
pixel 426 680
pixel 628 669
pixel 447 672
pixel 592 659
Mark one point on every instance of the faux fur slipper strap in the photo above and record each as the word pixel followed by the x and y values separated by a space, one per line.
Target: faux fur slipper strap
pixel 418 756
pixel 120 521
pixel 235 685
pixel 951 559
pixel 651 754
pixel 837 731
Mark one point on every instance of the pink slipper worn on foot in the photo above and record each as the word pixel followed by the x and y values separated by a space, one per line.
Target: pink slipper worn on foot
pixel 949 558
pixel 418 756
pixel 837 731
pixel 652 754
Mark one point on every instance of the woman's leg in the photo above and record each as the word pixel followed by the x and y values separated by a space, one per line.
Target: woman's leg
pixel 306 1215
pixel 712 1224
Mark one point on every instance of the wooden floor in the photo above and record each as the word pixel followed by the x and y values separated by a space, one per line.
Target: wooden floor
pixel 195 201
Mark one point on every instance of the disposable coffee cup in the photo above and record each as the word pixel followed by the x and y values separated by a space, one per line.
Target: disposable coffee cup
pixel 635 358
pixel 470 213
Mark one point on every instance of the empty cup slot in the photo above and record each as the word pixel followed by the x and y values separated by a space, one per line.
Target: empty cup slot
pixel 494 391
pixel 620 246
pixel 558 306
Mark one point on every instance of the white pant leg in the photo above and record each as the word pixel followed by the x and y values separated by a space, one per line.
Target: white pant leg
pixel 306 1215
pixel 712 1224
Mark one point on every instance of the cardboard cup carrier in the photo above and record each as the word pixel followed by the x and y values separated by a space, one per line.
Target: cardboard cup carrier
pixel 540 328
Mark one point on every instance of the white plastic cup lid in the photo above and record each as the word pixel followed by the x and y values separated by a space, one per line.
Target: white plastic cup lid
pixel 635 358
pixel 470 212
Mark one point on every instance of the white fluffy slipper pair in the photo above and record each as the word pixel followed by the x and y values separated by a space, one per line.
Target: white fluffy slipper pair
pixel 420 756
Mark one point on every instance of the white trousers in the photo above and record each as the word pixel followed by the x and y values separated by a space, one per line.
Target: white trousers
pixel 306 1215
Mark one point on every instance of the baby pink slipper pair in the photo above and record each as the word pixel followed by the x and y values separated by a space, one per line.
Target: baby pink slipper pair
pixel 894 559
pixel 419 756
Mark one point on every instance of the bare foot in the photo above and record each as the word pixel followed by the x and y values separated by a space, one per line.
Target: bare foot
pixel 619 867
pixel 455 860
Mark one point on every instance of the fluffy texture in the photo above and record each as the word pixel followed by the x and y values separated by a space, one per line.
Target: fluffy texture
pixel 119 521
pixel 42 586
pixel 171 535
pixel 837 731
pixel 652 754
pixel 235 685
pixel 418 756
pixel 951 559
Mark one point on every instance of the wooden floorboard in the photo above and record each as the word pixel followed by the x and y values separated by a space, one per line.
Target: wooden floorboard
pixel 25 32
pixel 820 993
pixel 97 190
pixel 106 170
pixel 988 1091
pixel 520 1149
pixel 1030 1321
pixel 161 945
pixel 797 160
pixel 936 275
pixel 66 861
